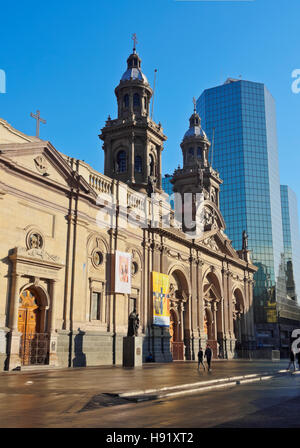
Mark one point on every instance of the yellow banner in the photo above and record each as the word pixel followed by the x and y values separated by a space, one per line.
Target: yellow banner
pixel 161 302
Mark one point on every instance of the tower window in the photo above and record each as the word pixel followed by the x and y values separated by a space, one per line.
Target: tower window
pixel 121 162
pixel 138 164
pixel 126 100
pixel 151 165
pixel 199 153
pixel 191 153
pixel 136 100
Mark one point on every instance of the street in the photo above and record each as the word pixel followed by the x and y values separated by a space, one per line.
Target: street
pixel 78 398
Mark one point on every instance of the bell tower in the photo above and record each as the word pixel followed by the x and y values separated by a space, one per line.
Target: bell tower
pixel 197 175
pixel 133 142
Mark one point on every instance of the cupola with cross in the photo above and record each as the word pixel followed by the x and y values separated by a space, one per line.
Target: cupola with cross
pixel 133 142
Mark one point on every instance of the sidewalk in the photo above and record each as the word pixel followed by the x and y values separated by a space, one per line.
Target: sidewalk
pixel 117 380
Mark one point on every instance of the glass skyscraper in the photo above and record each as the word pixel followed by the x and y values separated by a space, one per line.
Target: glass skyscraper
pixel 239 118
pixel 291 241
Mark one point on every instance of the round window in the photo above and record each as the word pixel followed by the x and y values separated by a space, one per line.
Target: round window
pixel 97 258
pixel 134 267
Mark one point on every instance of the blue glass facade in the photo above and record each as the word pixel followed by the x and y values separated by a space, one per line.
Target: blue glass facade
pixel 166 184
pixel 168 187
pixel 239 117
pixel 291 241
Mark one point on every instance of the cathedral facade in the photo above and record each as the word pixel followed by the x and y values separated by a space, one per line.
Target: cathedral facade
pixel 72 237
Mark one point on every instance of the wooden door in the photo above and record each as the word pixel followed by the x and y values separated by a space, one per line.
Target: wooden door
pixel 27 324
pixel 177 347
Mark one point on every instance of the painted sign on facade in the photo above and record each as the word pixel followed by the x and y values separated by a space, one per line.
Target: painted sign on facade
pixel 161 302
pixel 122 272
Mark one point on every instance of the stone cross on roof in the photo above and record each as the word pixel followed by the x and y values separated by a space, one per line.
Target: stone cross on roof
pixel 38 120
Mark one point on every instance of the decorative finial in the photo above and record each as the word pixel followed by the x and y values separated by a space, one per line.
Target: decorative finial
pixel 135 41
pixel 194 102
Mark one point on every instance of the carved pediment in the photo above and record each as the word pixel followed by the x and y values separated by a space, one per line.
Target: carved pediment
pixel 36 254
pixel 41 160
pixel 211 243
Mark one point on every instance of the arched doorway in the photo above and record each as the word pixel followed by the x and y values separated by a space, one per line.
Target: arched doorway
pixel 238 317
pixel 213 321
pixel 31 324
pixel 179 316
pixel 177 345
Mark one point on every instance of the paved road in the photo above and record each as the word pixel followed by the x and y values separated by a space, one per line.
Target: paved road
pixel 60 398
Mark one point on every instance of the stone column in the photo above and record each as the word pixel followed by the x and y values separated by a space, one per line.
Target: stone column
pixel 181 309
pixel 159 182
pixel 246 312
pixel 131 159
pixel 230 309
pixel 214 313
pixel 251 311
pixel 225 303
pixel 145 161
pixel 230 342
pixel 53 360
pixel 14 361
pixel 201 310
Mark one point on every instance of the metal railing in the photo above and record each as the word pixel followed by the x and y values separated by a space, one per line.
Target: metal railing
pixel 34 349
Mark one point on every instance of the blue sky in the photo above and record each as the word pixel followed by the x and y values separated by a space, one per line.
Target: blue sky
pixel 66 57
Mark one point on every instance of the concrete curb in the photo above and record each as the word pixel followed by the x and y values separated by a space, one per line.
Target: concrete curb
pixel 201 386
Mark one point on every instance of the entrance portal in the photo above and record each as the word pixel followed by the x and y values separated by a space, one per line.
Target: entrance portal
pixel 34 343
pixel 176 345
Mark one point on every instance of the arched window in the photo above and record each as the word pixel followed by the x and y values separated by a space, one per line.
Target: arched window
pixel 126 100
pixel 138 164
pixel 121 162
pixel 136 100
pixel 191 153
pixel 151 165
pixel 199 153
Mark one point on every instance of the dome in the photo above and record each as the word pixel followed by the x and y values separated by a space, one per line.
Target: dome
pixel 195 129
pixel 134 74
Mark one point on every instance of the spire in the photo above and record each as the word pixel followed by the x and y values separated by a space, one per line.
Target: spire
pixel 135 41
pixel 134 71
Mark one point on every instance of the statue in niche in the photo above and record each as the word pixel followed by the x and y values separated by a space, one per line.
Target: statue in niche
pixel 133 323
pixel 150 186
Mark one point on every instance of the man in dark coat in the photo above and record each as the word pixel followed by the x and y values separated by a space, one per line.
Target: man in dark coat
pixel 292 360
pixel 208 354
pixel 200 358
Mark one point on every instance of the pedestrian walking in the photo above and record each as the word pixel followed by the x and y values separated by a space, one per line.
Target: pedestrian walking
pixel 292 360
pixel 208 355
pixel 200 359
